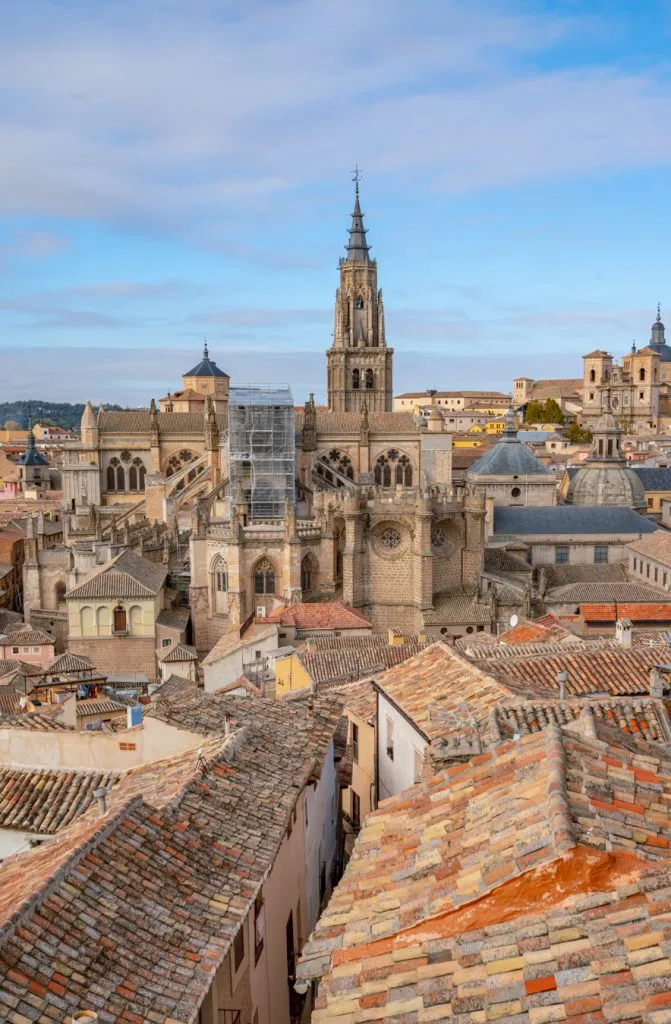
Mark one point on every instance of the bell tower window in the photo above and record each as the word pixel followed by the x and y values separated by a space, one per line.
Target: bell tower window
pixel 592 376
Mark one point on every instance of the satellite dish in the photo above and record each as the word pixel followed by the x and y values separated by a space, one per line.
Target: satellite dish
pixel 514 620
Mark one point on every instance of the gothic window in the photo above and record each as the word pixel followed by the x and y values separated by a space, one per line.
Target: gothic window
pixel 404 471
pixel 264 577
pixel 221 577
pixel 308 574
pixel 142 475
pixel 370 380
pixel 393 467
pixel 592 376
pixel 111 479
pixel 641 374
pixel 340 461
pixel 355 380
pixel 359 303
pixel 126 456
pixel 120 479
pixel 132 478
pixel 437 536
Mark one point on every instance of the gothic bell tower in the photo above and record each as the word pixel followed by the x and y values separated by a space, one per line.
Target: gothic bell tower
pixel 359 364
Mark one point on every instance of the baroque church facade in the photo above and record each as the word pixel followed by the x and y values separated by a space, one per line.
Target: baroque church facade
pixel 369 514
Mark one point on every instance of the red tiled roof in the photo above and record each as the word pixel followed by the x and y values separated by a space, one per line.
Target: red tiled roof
pixel 621 672
pixel 327 615
pixel 612 611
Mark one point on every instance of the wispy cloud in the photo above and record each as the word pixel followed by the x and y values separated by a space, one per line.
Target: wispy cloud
pixel 232 105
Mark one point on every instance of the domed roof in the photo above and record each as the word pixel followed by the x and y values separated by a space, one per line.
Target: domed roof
pixel 601 484
pixel 509 457
pixel 607 422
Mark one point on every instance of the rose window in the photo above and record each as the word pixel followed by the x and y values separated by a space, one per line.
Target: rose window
pixel 390 538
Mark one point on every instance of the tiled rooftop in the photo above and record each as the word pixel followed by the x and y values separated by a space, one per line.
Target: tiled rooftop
pixel 610 671
pixel 435 684
pixel 347 665
pixel 44 801
pixel 134 912
pixel 634 612
pixel 656 546
pixel 644 717
pixel 514 887
pixel 359 698
pixel 178 652
pixel 127 575
pixel 319 615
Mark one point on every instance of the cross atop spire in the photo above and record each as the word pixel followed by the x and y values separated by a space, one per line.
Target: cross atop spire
pixel 357 246
pixel 206 354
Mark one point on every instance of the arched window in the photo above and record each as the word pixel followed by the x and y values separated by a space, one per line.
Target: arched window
pixel 59 594
pixel 641 374
pixel 103 621
pixel 610 446
pixel 308 574
pixel 143 473
pixel 600 446
pixel 120 479
pixel 393 467
pixel 132 478
pixel 219 577
pixel 404 471
pixel 592 376
pixel 111 479
pixel 359 303
pixel 355 379
pixel 264 577
pixel 370 380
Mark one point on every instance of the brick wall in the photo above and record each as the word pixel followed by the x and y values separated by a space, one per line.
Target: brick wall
pixel 118 654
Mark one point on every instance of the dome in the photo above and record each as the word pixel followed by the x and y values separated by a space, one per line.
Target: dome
pixel 509 457
pixel 601 484
pixel 607 422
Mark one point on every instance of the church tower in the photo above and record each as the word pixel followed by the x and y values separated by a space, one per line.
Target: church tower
pixel 359 364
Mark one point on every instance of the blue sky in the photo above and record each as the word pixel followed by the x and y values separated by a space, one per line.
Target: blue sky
pixel 177 171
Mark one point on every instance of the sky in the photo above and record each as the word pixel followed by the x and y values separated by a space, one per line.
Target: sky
pixel 171 172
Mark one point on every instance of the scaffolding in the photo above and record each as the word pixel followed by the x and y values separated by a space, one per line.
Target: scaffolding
pixel 262 447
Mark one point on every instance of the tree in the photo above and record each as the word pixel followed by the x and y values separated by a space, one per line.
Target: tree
pixel 578 435
pixel 12 425
pixel 553 413
pixel 534 412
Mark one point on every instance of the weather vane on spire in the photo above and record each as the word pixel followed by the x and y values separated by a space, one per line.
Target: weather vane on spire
pixel 356 177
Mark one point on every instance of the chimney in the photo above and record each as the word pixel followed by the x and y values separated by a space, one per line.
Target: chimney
pixel 658 683
pixel 84 1015
pixel 562 679
pixel 101 796
pixel 394 637
pixel 623 632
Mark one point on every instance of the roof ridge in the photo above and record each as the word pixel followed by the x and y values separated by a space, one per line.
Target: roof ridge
pixel 557 796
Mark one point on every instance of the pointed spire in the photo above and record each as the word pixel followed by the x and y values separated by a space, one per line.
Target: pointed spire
pixel 357 246
pixel 510 430
pixel 206 354
pixel 657 337
pixel 31 436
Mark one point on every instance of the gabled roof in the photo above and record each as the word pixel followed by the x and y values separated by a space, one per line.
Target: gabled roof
pixel 27 637
pixel 603 671
pixel 68 662
pixel 569 519
pixel 435 684
pixel 319 615
pixel 178 652
pixel 45 800
pixel 127 575
pixel 656 545
pixel 334 666
pixel 156 889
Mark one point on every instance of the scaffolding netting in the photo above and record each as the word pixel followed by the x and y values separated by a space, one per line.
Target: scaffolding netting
pixel 262 447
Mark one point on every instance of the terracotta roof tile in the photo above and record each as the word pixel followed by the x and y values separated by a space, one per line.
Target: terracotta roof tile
pixel 604 671
pixel 318 615
pixel 127 575
pixel 178 652
pixel 611 612
pixel 43 801
pixel 328 667
pixel 139 908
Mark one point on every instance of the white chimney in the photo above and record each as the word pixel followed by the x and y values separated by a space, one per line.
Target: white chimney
pixel 623 632
pixel 562 679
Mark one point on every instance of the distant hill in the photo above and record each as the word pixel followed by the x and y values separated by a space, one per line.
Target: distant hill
pixel 60 414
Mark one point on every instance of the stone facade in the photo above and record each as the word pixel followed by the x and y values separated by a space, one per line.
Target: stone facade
pixel 359 362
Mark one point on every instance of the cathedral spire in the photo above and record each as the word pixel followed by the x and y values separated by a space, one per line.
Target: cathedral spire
pixel 657 338
pixel 357 246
